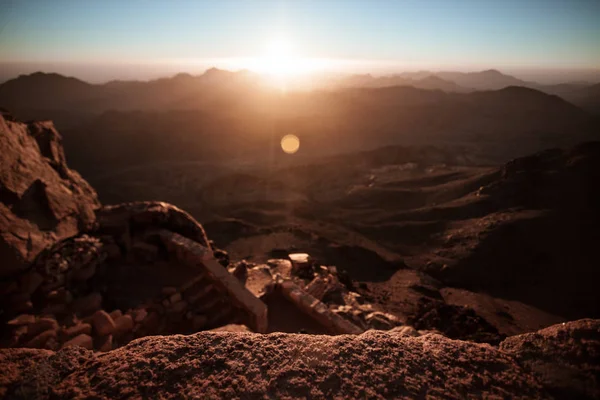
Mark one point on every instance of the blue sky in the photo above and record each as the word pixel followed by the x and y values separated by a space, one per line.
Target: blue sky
pixel 462 33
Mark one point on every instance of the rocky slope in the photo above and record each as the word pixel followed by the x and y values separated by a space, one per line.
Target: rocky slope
pixel 561 361
pixel 68 265
pixel 41 200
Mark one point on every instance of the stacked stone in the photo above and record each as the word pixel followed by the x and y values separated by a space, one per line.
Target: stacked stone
pixel 206 305
pixel 91 327
pixel 323 283
pixel 70 262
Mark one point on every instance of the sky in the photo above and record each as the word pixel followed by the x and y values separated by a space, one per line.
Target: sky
pixel 111 37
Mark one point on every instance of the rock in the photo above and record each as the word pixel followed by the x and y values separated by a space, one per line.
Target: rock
pixel 115 314
pixel 352 315
pixel 84 273
pixel 175 297
pixel 8 288
pixel 42 324
pixel 150 215
pixel 179 307
pixel 231 328
pixel 18 298
pixel 23 319
pixel 405 330
pixel 382 321
pixel 564 357
pixel 139 315
pixel 75 259
pixel 259 280
pixel 123 324
pixel 87 304
pixel 39 341
pixel 317 287
pixel 55 309
pixel 280 266
pixel 52 344
pixel 317 310
pixel 104 343
pixel 76 330
pixel 199 322
pixel 42 201
pixel 51 282
pixel 151 322
pixel 82 340
pixel 221 256
pixel 240 271
pixel 299 258
pixel 103 323
pixel 456 322
pixel 112 251
pixel 301 265
pixel 192 282
pixel 144 251
pixel 23 306
pixel 17 334
pixel 30 282
pixel 61 295
pixel 168 290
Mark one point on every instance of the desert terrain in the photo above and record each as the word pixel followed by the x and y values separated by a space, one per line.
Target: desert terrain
pixel 461 217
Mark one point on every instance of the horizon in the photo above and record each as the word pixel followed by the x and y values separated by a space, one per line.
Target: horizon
pixel 89 73
pixel 98 42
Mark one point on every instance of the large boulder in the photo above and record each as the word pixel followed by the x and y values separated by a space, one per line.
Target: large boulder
pixel 42 201
pixel 135 217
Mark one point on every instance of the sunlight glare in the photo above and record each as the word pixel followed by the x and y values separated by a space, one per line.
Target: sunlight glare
pixel 290 144
pixel 280 63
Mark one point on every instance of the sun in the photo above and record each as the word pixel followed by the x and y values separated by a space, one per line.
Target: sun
pixel 278 59
pixel 281 64
pixel 290 144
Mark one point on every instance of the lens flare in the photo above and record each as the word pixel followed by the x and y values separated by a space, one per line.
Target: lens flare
pixel 290 144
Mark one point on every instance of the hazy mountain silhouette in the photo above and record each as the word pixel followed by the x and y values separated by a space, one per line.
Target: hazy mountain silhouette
pixel 53 96
pixel 429 81
pixel 232 114
pixel 445 80
pixel 484 80
pixel 587 97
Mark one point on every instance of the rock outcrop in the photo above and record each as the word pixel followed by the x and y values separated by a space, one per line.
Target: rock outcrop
pixel 374 365
pixel 564 358
pixel 42 201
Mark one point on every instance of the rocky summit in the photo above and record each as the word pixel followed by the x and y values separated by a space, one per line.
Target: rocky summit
pixel 134 300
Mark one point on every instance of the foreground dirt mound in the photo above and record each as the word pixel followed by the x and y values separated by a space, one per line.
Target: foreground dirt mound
pixel 373 365
pixel 41 200
pixel 565 358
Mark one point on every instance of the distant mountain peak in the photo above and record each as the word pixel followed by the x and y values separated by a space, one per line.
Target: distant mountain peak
pixel 492 72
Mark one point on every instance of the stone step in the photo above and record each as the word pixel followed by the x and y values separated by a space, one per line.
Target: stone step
pixel 201 293
pixel 188 285
pixel 221 317
pixel 207 307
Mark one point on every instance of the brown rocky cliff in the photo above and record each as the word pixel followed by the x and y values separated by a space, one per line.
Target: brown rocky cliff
pixel 42 201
